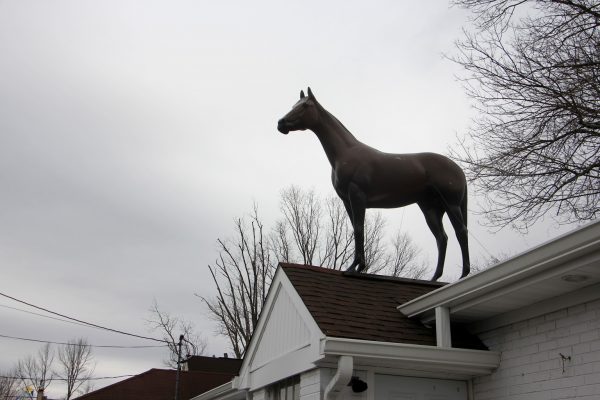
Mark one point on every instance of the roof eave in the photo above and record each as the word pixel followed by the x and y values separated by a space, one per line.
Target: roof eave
pixel 551 257
pixel 466 362
pixel 226 391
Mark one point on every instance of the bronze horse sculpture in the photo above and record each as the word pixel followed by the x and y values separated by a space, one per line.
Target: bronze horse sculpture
pixel 364 177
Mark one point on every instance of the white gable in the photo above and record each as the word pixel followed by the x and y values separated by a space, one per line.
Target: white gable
pixel 285 332
pixel 286 341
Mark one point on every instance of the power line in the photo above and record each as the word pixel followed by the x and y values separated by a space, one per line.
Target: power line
pixel 77 344
pixel 81 321
pixel 64 379
pixel 42 315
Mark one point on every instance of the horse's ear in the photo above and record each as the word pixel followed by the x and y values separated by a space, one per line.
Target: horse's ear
pixel 302 94
pixel 310 94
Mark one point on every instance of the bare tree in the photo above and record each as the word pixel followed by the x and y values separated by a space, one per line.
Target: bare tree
pixel 339 239
pixel 36 370
pixel 75 364
pixel 324 237
pixel 533 68
pixel 375 248
pixel 403 260
pixel 242 274
pixel 302 215
pixel 307 233
pixel 86 388
pixel 9 385
pixel 171 327
pixel 490 260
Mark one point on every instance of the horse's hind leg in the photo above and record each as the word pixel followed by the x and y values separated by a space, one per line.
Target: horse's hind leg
pixel 433 216
pixel 458 221
pixel 356 207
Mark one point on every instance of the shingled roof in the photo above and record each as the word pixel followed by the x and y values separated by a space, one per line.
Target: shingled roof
pixel 159 384
pixel 363 306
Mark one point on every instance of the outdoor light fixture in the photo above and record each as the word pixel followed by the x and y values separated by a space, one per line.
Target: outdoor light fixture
pixel 575 278
pixel 358 385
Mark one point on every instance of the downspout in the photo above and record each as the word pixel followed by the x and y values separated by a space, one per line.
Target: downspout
pixel 340 379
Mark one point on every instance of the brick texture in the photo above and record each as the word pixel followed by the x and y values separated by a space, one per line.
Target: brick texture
pixel 310 385
pixel 555 356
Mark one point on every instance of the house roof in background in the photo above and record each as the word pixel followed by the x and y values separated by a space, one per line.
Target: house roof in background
pixel 214 364
pixel 159 384
pixel 363 306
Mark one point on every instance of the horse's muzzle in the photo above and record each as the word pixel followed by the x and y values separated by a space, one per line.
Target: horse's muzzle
pixel 282 126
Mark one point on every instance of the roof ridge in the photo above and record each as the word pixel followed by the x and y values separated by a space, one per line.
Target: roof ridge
pixel 362 275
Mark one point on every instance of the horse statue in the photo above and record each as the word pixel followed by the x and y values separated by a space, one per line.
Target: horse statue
pixel 364 177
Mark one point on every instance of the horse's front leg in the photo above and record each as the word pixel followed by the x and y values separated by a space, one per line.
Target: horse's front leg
pixel 356 208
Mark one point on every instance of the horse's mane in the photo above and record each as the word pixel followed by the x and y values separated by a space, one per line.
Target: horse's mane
pixel 334 118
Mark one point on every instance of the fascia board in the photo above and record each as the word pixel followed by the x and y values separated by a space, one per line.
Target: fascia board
pixel 549 255
pixel 243 376
pixel 478 362
pixel 224 392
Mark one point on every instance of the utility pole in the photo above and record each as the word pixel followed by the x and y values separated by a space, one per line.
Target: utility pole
pixel 178 367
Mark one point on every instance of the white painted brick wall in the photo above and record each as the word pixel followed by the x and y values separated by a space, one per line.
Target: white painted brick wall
pixel 260 394
pixel 531 366
pixel 310 385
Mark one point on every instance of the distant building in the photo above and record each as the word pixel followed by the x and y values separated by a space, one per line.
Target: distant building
pixel 199 375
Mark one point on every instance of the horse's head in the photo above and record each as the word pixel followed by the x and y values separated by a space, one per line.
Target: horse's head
pixel 304 115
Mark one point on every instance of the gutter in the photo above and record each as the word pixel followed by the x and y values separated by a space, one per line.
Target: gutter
pixel 455 360
pixel 226 391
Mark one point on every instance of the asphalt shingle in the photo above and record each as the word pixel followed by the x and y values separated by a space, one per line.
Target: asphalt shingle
pixel 363 306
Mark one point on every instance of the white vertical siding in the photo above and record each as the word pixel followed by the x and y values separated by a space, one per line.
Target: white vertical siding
pixel 285 332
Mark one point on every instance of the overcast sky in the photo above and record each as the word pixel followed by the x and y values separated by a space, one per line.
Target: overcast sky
pixel 133 133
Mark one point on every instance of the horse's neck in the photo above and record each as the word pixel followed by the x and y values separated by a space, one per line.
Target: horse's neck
pixel 334 136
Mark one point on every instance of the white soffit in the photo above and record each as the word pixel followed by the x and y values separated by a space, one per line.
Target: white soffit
pixel 547 271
